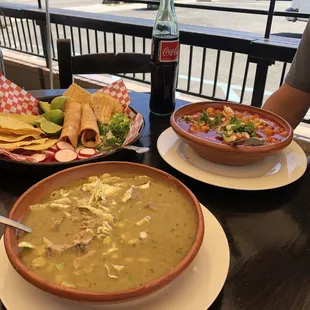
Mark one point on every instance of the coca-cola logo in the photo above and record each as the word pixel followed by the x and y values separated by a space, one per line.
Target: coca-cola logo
pixel 169 51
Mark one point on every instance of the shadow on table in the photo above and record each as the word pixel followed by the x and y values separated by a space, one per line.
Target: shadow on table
pixel 252 201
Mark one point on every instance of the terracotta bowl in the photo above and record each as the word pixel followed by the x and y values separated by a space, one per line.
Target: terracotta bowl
pixel 38 191
pixel 226 154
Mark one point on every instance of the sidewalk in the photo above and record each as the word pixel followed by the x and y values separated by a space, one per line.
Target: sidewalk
pixel 105 8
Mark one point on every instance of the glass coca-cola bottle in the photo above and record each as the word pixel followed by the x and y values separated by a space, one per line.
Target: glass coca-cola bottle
pixel 164 59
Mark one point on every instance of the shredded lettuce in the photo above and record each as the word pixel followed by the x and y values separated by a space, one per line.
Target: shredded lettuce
pixel 120 125
pixel 103 129
pixel 115 132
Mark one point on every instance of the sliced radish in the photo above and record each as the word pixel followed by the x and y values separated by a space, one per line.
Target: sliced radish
pixel 78 148
pixel 87 152
pixel 53 149
pixel 65 155
pixel 49 154
pixel 38 157
pixel 82 157
pixel 61 145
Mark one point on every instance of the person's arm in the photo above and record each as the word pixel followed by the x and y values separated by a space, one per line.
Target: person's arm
pixel 290 103
pixel 292 99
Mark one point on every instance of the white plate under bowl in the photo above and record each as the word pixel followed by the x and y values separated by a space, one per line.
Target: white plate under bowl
pixel 274 171
pixel 196 288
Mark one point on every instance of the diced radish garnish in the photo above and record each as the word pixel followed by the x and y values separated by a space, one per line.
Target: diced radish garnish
pixel 87 152
pixel 38 157
pixel 49 153
pixel 65 155
pixel 61 145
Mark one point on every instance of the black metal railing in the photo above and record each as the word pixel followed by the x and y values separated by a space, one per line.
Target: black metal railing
pixel 208 55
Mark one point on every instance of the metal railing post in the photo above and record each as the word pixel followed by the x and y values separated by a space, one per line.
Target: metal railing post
pixel 269 18
pixel 2 68
pixel 262 66
pixel 43 33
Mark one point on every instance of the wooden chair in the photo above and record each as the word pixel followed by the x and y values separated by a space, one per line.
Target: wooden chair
pixel 108 63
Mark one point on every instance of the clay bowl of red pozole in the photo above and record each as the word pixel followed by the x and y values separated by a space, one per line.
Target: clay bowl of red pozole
pixel 231 134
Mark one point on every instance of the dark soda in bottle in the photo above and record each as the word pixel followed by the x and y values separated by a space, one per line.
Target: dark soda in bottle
pixel 164 59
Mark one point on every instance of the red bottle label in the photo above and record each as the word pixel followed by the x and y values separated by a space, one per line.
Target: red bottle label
pixel 169 51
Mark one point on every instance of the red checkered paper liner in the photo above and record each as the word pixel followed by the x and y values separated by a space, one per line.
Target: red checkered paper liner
pixel 14 99
pixel 118 91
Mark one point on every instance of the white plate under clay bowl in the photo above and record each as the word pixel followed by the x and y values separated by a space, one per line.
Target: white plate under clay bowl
pixel 274 171
pixel 196 288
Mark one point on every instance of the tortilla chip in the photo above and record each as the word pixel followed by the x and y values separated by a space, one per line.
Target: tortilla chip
pixel 118 108
pixel 77 94
pixel 5 137
pixel 104 106
pixel 14 126
pixel 40 147
pixel 18 145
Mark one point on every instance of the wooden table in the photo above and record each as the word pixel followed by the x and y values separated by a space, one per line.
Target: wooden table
pixel 268 231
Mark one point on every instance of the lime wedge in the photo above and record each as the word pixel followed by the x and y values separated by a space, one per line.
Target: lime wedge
pixel 38 121
pixel 55 116
pixel 44 106
pixel 49 128
pixel 58 103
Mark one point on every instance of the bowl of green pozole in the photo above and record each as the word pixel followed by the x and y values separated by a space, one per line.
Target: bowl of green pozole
pixel 105 232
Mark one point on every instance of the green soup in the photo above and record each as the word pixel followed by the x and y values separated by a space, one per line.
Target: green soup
pixel 108 233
